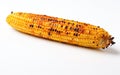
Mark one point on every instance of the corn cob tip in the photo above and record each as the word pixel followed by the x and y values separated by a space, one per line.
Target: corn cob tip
pixel 112 42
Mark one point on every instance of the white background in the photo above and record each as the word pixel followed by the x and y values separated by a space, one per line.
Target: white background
pixel 22 54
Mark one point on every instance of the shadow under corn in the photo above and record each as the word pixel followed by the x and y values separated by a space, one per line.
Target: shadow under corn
pixel 111 50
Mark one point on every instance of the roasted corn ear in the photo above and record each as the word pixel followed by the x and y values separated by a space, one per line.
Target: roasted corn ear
pixel 59 29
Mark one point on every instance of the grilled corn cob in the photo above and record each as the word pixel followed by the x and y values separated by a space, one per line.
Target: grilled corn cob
pixel 59 29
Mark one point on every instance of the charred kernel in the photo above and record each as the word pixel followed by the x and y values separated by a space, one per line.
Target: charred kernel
pixel 95 28
pixel 76 29
pixel 67 33
pixel 39 26
pixel 55 30
pixel 97 45
pixel 61 25
pixel 50 19
pixel 93 41
pixel 68 22
pixel 31 26
pixel 66 27
pixel 103 35
pixel 49 33
pixel 58 32
pixel 70 28
pixel 77 25
pixel 75 34
pixel 63 21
